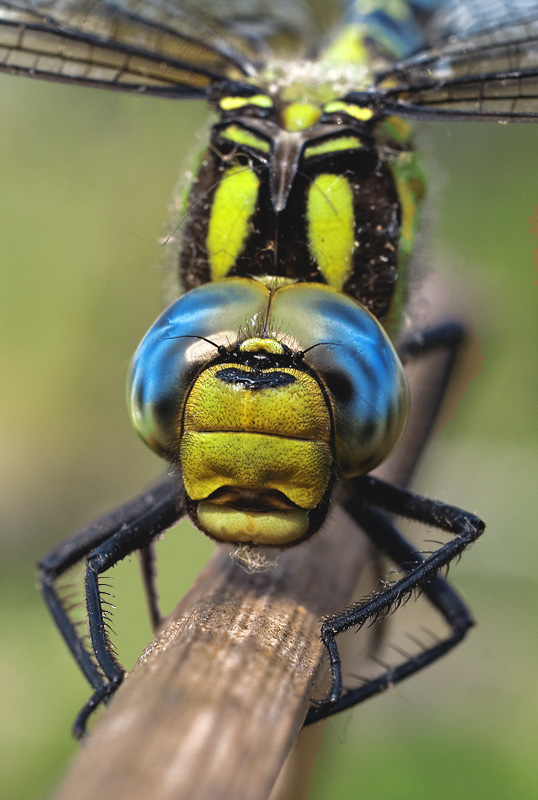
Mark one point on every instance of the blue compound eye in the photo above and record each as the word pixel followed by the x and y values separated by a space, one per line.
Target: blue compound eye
pixel 351 353
pixel 184 339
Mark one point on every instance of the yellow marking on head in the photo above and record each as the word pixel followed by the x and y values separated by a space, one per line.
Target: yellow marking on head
pixel 296 409
pixel 229 222
pixel 257 463
pixel 299 116
pixel 331 227
pixel 362 113
pixel 332 146
pixel 274 527
pixel 256 344
pixel 239 135
pixel 233 103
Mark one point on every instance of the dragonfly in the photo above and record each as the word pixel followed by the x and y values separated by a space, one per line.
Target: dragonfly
pixel 274 384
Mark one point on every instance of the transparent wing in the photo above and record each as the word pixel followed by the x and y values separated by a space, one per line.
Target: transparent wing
pixel 464 18
pixel 484 64
pixel 176 48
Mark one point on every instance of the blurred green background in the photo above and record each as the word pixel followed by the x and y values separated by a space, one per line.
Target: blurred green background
pixel 86 179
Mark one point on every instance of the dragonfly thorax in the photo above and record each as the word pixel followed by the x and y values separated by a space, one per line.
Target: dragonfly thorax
pixel 299 191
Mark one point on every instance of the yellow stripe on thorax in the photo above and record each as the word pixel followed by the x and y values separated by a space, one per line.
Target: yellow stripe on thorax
pixel 229 223
pixel 331 227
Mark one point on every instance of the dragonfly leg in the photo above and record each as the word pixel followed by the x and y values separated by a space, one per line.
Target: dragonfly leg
pixel 147 558
pixel 449 336
pixel 420 574
pixel 130 526
pixel 442 346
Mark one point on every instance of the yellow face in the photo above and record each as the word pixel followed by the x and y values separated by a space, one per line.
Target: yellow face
pixel 256 448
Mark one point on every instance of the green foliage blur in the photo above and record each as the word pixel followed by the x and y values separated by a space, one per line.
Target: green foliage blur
pixel 86 179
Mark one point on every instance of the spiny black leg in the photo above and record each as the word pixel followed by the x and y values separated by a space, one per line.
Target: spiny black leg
pixel 165 498
pixel 445 343
pixel 447 339
pixel 99 696
pixel 447 336
pixel 420 574
pixel 147 558
pixel 438 591
pixel 156 518
pixel 465 526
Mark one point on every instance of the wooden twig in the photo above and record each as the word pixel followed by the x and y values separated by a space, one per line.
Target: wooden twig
pixel 214 705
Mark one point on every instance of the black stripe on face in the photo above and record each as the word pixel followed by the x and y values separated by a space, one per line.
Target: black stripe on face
pixel 254 381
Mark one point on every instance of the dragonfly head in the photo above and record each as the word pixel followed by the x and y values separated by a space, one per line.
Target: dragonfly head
pixel 265 396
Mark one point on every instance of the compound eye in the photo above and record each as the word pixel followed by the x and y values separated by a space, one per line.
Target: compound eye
pixel 351 353
pixel 184 339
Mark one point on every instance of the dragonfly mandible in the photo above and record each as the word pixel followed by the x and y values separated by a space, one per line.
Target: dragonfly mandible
pixel 322 185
